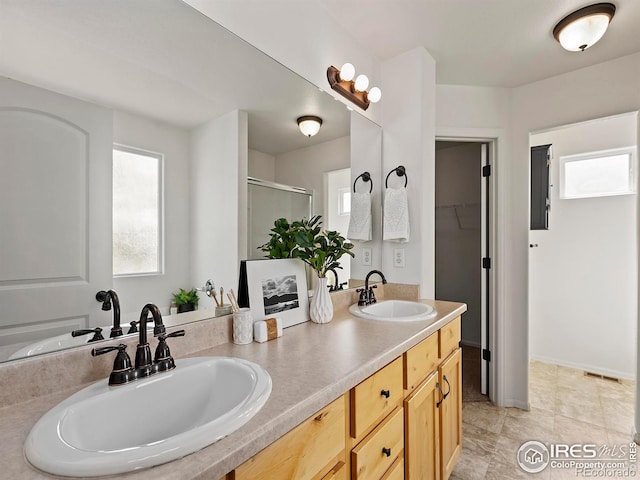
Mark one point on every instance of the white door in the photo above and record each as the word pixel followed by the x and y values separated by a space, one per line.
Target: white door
pixel 55 216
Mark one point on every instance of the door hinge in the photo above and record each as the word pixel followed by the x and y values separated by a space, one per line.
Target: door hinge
pixel 486 262
pixel 486 171
pixel 486 354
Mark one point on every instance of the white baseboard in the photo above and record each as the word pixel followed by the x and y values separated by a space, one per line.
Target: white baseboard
pixel 587 368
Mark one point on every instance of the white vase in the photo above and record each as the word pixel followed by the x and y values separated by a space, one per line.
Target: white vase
pixel 321 309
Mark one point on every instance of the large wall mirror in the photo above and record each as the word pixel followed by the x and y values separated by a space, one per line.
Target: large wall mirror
pixel 197 118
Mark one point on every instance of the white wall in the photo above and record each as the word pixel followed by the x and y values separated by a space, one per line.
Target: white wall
pixel 583 274
pixel 408 139
pixel 173 143
pixel 606 89
pixel 219 161
pixel 458 233
pixel 262 165
pixel 306 167
pixel 366 156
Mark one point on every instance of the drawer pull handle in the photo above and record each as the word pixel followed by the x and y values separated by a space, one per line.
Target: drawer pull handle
pixel 386 451
pixel 441 395
pixel 449 385
pixel 385 393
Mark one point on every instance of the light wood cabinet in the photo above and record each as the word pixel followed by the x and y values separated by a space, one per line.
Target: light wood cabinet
pixel 375 397
pixel 433 409
pixel 422 436
pixel 379 450
pixel 308 451
pixel 396 471
pixel 338 472
pixel 421 360
pixel 403 422
pixel 450 375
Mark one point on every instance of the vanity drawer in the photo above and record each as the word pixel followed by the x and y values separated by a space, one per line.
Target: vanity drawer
pixel 396 472
pixel 380 449
pixel 420 361
pixel 375 397
pixel 305 451
pixel 449 338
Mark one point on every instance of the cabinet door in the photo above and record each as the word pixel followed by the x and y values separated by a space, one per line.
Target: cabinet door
pixel 422 431
pixel 305 453
pixel 450 413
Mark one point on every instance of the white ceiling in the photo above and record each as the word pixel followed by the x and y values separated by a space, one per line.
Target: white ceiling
pixel 484 42
pixel 162 59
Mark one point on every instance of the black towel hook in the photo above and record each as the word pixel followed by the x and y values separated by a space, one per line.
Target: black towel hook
pixel 366 177
pixel 400 171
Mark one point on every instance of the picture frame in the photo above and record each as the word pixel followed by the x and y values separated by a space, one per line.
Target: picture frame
pixel 275 288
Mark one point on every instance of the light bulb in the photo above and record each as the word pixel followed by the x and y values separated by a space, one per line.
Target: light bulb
pixel 374 95
pixel 347 72
pixel 362 82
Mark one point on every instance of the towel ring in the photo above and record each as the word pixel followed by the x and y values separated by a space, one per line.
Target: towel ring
pixel 366 177
pixel 400 171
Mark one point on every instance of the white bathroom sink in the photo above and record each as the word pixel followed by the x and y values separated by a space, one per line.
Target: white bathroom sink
pixel 394 311
pixel 104 430
pixel 60 342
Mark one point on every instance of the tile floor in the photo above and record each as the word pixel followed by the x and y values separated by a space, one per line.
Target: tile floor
pixel 566 407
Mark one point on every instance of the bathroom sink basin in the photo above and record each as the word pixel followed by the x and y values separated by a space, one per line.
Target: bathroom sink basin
pixel 104 430
pixel 60 342
pixel 394 311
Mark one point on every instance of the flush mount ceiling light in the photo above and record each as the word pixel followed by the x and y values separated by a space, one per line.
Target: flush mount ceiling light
pixel 342 81
pixel 309 125
pixel 583 28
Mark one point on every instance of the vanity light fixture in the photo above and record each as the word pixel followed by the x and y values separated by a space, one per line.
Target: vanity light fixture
pixel 309 125
pixel 342 81
pixel 583 28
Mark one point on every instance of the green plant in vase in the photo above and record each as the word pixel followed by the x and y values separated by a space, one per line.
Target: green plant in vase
pixel 318 248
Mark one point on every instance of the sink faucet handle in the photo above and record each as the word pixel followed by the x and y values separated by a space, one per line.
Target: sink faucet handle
pixel 163 360
pixel 122 371
pixel 133 328
pixel 97 333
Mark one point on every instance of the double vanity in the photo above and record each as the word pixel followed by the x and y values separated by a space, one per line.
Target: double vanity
pixel 354 398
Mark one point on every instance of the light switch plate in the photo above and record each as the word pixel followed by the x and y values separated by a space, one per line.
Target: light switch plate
pixel 366 256
pixel 398 257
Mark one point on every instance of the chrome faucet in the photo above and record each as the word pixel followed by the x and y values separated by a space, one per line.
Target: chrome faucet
pixel 367 297
pixel 123 372
pixel 107 298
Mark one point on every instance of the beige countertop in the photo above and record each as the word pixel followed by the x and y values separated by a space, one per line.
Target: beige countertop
pixel 310 366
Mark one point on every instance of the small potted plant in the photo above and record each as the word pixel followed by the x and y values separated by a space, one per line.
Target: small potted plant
pixel 186 301
pixel 320 249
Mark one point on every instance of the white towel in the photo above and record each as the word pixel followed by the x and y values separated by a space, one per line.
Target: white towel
pixel 396 215
pixel 360 221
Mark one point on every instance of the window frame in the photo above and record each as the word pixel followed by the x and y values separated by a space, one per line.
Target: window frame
pixel 632 178
pixel 160 191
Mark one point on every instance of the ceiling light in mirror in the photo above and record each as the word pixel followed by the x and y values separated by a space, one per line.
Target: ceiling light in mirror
pixel 309 125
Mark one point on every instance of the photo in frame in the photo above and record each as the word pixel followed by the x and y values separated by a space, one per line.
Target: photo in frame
pixel 274 288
